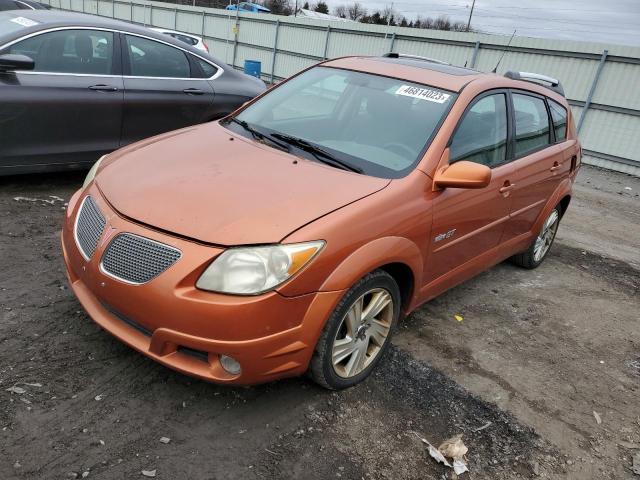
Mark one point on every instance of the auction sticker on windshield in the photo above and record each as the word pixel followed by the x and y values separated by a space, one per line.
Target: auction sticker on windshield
pixel 25 22
pixel 423 94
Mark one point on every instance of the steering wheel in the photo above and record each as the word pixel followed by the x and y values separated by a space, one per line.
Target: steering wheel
pixel 400 149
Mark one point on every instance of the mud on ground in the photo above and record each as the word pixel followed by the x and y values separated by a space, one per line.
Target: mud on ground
pixel 535 355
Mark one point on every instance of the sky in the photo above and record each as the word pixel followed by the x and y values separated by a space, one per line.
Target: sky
pixel 608 21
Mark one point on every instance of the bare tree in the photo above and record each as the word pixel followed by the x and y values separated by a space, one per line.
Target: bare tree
pixel 356 11
pixel 442 23
pixel 340 11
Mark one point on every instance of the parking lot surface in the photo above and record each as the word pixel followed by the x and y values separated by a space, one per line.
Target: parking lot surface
pixel 536 354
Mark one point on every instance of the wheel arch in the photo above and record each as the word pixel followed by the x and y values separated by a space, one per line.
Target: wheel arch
pixel 398 256
pixel 404 277
pixel 564 204
pixel 561 196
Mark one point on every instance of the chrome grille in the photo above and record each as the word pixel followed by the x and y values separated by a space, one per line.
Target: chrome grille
pixel 136 259
pixel 89 227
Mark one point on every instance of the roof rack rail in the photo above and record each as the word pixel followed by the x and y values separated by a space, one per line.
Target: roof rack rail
pixel 549 82
pixel 414 57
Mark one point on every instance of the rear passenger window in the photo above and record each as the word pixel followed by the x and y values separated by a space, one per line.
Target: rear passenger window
pixel 69 51
pixel 148 58
pixel 532 124
pixel 559 118
pixel 482 135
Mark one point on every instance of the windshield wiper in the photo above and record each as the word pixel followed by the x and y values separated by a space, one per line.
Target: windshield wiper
pixel 259 135
pixel 319 153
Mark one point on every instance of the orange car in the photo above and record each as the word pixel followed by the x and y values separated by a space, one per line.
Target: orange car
pixel 292 236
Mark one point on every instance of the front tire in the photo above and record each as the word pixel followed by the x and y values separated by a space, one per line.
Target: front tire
pixel 358 332
pixel 539 248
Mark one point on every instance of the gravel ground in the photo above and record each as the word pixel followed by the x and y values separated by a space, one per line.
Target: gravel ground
pixel 536 354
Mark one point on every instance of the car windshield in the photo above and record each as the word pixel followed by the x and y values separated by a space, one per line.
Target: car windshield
pixel 380 125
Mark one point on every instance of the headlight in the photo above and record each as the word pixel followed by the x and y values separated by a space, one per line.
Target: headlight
pixel 92 172
pixel 253 270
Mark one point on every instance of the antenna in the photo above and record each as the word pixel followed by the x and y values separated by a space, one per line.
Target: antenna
pixel 495 69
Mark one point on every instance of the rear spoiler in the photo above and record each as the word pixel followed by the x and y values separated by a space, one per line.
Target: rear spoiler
pixel 549 82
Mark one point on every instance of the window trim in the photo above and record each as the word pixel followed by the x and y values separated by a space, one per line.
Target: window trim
pixel 513 113
pixel 115 31
pixel 510 125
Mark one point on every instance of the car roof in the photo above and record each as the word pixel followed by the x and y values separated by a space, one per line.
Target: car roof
pixel 55 18
pixel 447 77
pixel 166 30
pixel 31 3
pixel 437 74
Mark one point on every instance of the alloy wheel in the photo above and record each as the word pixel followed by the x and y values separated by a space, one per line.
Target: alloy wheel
pixel 362 332
pixel 545 239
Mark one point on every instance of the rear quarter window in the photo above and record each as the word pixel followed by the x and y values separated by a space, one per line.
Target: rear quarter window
pixel 559 118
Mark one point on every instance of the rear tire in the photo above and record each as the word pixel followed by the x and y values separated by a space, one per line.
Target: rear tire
pixel 358 332
pixel 539 248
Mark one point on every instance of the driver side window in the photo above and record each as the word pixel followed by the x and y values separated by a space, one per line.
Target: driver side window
pixel 88 52
pixel 481 137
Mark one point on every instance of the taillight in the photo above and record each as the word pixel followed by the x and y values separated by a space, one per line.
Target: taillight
pixel 206 47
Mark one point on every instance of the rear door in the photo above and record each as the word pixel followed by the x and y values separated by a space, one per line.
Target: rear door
pixel 468 223
pixel 540 159
pixel 68 109
pixel 166 88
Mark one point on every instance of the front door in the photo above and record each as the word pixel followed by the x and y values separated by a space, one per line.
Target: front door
pixel 161 93
pixel 469 223
pixel 68 109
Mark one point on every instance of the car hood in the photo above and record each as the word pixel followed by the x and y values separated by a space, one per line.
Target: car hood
pixel 217 187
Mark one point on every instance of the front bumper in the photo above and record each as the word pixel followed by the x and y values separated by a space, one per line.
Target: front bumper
pixel 169 320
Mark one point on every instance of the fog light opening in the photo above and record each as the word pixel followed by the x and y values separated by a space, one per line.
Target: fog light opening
pixel 230 365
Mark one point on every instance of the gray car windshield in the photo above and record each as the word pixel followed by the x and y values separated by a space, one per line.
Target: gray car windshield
pixel 378 124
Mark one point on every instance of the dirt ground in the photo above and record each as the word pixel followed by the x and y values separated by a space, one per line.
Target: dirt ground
pixel 537 353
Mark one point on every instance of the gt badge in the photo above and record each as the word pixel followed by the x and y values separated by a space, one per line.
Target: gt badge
pixel 445 235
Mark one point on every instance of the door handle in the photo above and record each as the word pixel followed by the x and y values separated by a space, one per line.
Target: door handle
pixel 556 166
pixel 507 187
pixel 193 91
pixel 103 88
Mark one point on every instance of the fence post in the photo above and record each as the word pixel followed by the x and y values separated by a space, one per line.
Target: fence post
pixel 236 32
pixel 131 12
pixel 113 8
pixel 474 56
pixel 202 35
pixel 275 50
pixel 151 15
pixel 594 84
pixel 326 43
pixel 393 41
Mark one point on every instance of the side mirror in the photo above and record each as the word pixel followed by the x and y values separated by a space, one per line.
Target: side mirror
pixel 11 61
pixel 462 174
